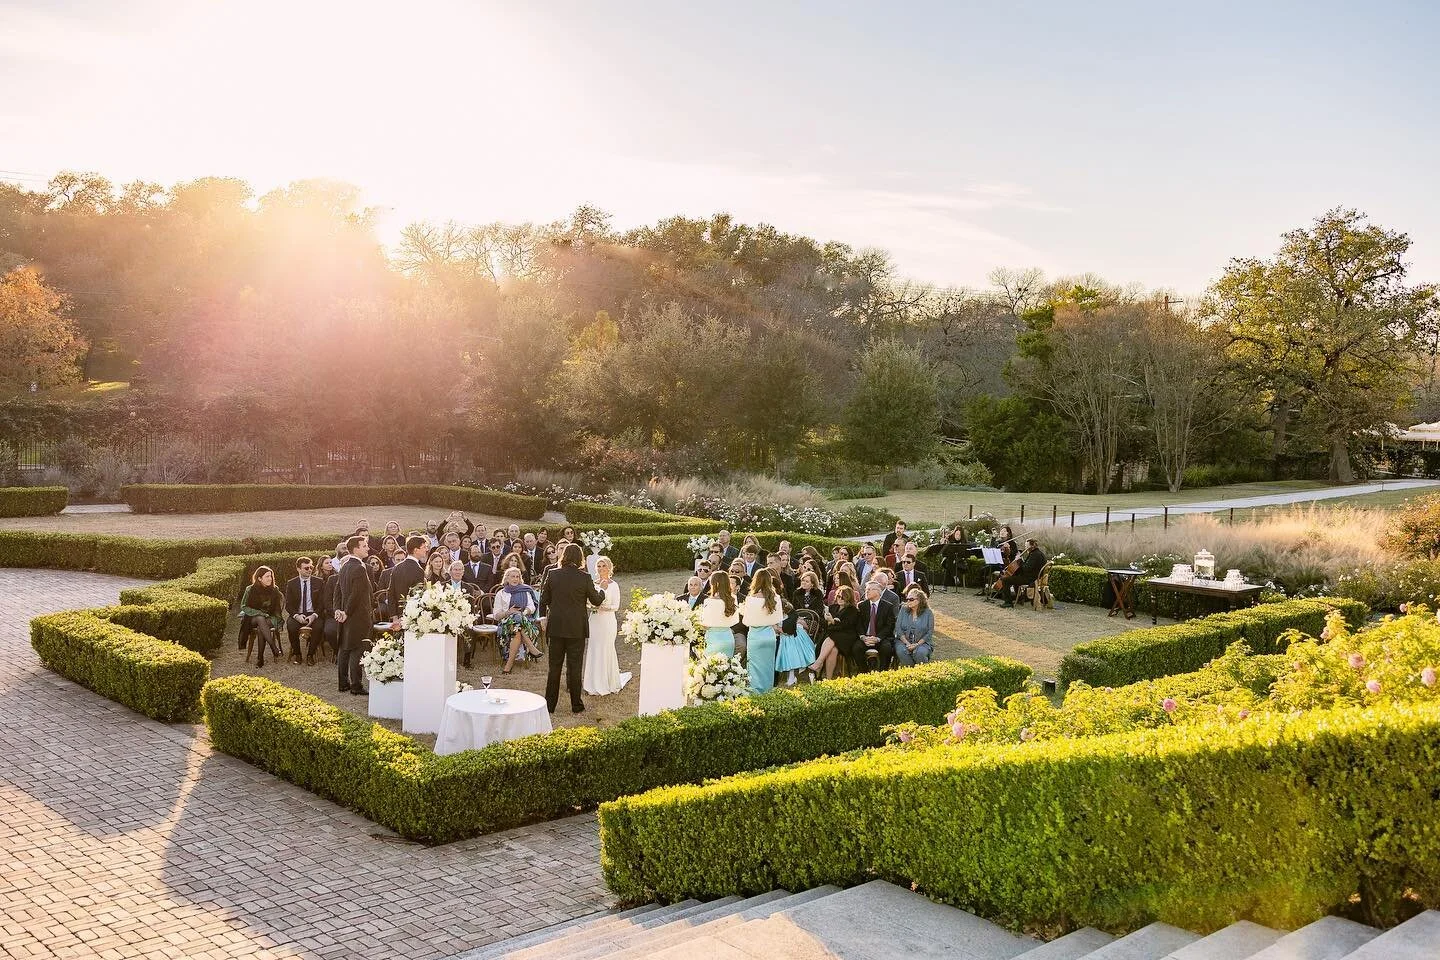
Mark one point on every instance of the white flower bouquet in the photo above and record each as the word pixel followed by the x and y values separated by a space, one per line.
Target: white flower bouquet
pixel 700 545
pixel 386 660
pixel 660 618
pixel 597 541
pixel 437 610
pixel 715 677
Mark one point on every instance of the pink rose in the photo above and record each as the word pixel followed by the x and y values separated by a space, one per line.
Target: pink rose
pixel 1427 676
pixel 1168 705
pixel 906 736
pixel 958 730
pixel 1373 686
pixel 1244 714
pixel 1357 660
pixel 1404 608
pixel 1027 734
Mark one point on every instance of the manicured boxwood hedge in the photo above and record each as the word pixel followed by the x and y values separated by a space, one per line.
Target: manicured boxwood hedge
pixel 398 783
pixel 599 514
pixel 1276 819
pixel 1182 647
pixel 231 498
pixel 32 501
pixel 156 677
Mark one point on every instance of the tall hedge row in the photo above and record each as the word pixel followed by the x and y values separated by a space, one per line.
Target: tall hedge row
pixel 244 497
pixel 32 501
pixel 1276 819
pixel 396 782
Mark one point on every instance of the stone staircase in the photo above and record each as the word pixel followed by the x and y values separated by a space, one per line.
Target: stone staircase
pixel 878 921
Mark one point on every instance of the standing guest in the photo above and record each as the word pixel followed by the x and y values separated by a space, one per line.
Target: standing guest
pixel 516 609
pixel 302 600
pixel 877 634
pixel 602 667
pixel 694 594
pixel 406 576
pixel 262 611
pixel 914 630
pixel 842 634
pixel 328 633
pixel 719 613
pixel 890 537
pixel 455 522
pixel 761 613
pixel 565 595
pixel 353 611
pixel 465 546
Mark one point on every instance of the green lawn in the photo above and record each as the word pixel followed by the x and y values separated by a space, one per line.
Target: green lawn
pixel 935 507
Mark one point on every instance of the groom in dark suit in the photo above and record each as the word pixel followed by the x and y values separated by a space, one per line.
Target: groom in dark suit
pixel 354 612
pixel 566 592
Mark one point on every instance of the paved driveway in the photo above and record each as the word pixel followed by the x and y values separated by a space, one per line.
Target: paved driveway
pixel 121 837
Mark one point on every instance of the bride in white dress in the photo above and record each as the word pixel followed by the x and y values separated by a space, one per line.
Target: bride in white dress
pixel 602 668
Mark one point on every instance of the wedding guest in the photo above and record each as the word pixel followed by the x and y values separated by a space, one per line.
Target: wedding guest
pixel 392 529
pixel 375 566
pixel 750 558
pixel 302 600
pixel 437 568
pixel 432 533
pixel 715 557
pixel 476 569
pixel 890 537
pixel 451 543
pixel 515 611
pixel 455 522
pixel 549 564
pixel 565 596
pixel 354 609
pixel 602 675
pixel 727 551
pixel 761 613
pixel 568 534
pixel 719 613
pixel 495 560
pixel 262 611
pixel 455 583
pixel 406 576
pixel 808 595
pixel 512 538
pixel 896 551
pixel 877 634
pixel 843 578
pixel 914 630
pixel 533 556
pixel 842 634
pixel 780 574
pixel 389 546
pixel 694 594
pixel 866 562
pixel 330 632
pixel 909 576
pixel 737 569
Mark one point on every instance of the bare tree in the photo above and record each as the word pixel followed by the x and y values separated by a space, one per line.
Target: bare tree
pixel 1183 374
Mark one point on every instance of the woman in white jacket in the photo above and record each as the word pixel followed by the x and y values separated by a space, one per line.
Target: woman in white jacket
pixel 762 613
pixel 719 614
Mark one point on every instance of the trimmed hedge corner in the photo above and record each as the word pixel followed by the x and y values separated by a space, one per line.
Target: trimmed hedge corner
pixel 1279 820
pixel 32 501
pixel 156 677
pixel 243 497
pixel 395 782
pixel 578 512
pixel 1152 652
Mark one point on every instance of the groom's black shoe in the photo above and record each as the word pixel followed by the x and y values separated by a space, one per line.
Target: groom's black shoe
pixel 577 708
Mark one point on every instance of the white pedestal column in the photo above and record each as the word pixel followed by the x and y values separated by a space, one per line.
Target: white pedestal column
pixel 429 680
pixel 662 676
pixel 387 700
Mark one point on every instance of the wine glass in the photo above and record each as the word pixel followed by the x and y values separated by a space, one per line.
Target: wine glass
pixel 485 682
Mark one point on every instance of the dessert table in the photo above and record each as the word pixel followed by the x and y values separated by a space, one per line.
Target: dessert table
pixel 478 718
pixel 1230 594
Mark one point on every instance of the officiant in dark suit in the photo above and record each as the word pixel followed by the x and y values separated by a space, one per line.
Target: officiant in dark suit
pixel 565 595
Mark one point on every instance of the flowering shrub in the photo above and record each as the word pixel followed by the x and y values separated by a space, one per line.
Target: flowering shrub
pixel 1414 529
pixel 714 677
pixel 817 521
pixel 386 660
pixel 660 618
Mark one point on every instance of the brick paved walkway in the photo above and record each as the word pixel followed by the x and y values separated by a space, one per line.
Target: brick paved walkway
pixel 120 837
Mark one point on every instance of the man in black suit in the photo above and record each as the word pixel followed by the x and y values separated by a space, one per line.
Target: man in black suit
pixel 910 575
pixel 477 571
pixel 564 595
pixel 750 556
pixel 405 577
pixel 533 557
pixel 780 574
pixel 728 551
pixel 1032 561
pixel 877 630
pixel 354 607
pixel 899 531
pixel 302 601
pixel 694 592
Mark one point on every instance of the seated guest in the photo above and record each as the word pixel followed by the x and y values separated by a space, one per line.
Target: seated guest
pixel 808 595
pixel 914 630
pixel 783 548
pixel 432 533
pixel 302 600
pixel 451 544
pixel 877 631
pixel 389 546
pixel 842 634
pixel 737 569
pixel 533 556
pixel 437 568
pixel 728 551
pixel 456 584
pixel 1032 561
pixel 780 574
pixel 886 577
pixel 896 551
pixel 750 558
pixel 262 611
pixel 714 557
pixel 392 529
pixel 568 534
pixel 517 607
pixel 694 594
pixel 512 538
pixel 476 569
pixel 330 634
pixel 516 560
pixel 843 578
pixel 866 562
pixel 362 529
pixel 808 552
pixel 465 546
pixel 495 560
pixel 909 576
pixel 374 566
pixel 550 564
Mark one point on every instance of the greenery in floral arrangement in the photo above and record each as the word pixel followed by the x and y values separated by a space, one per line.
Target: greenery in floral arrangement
pixel 386 659
pixel 660 618
pixel 715 678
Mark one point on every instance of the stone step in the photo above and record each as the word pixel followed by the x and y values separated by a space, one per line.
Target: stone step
pixel 869 922
pixel 1235 942
pixel 1416 939
pixel 750 908
pixel 1155 942
pixel 615 940
pixel 1329 938
pixel 579 938
pixel 1072 946
pixel 492 950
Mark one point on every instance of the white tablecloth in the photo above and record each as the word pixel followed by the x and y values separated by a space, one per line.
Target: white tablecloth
pixel 474 719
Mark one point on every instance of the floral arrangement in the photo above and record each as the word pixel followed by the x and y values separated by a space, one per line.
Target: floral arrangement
pixel 437 610
pixel 660 618
pixel 700 545
pixel 597 541
pixel 715 677
pixel 1158 564
pixel 386 660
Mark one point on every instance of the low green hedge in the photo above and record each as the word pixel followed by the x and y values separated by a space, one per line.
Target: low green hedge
pixel 398 783
pixel 690 528
pixel 599 514
pixel 156 677
pixel 1277 819
pixel 179 616
pixel 32 501
pixel 1152 652
pixel 231 498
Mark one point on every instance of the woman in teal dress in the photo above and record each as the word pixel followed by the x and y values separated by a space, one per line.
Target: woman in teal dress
pixel 761 614
pixel 719 614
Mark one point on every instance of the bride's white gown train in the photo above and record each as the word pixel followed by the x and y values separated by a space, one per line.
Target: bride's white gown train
pixel 602 667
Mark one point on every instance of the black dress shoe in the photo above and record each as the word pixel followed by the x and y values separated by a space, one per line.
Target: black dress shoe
pixel 358 692
pixel 345 689
pixel 579 709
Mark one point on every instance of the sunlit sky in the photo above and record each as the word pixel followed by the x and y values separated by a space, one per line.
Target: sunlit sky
pixel 1143 141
